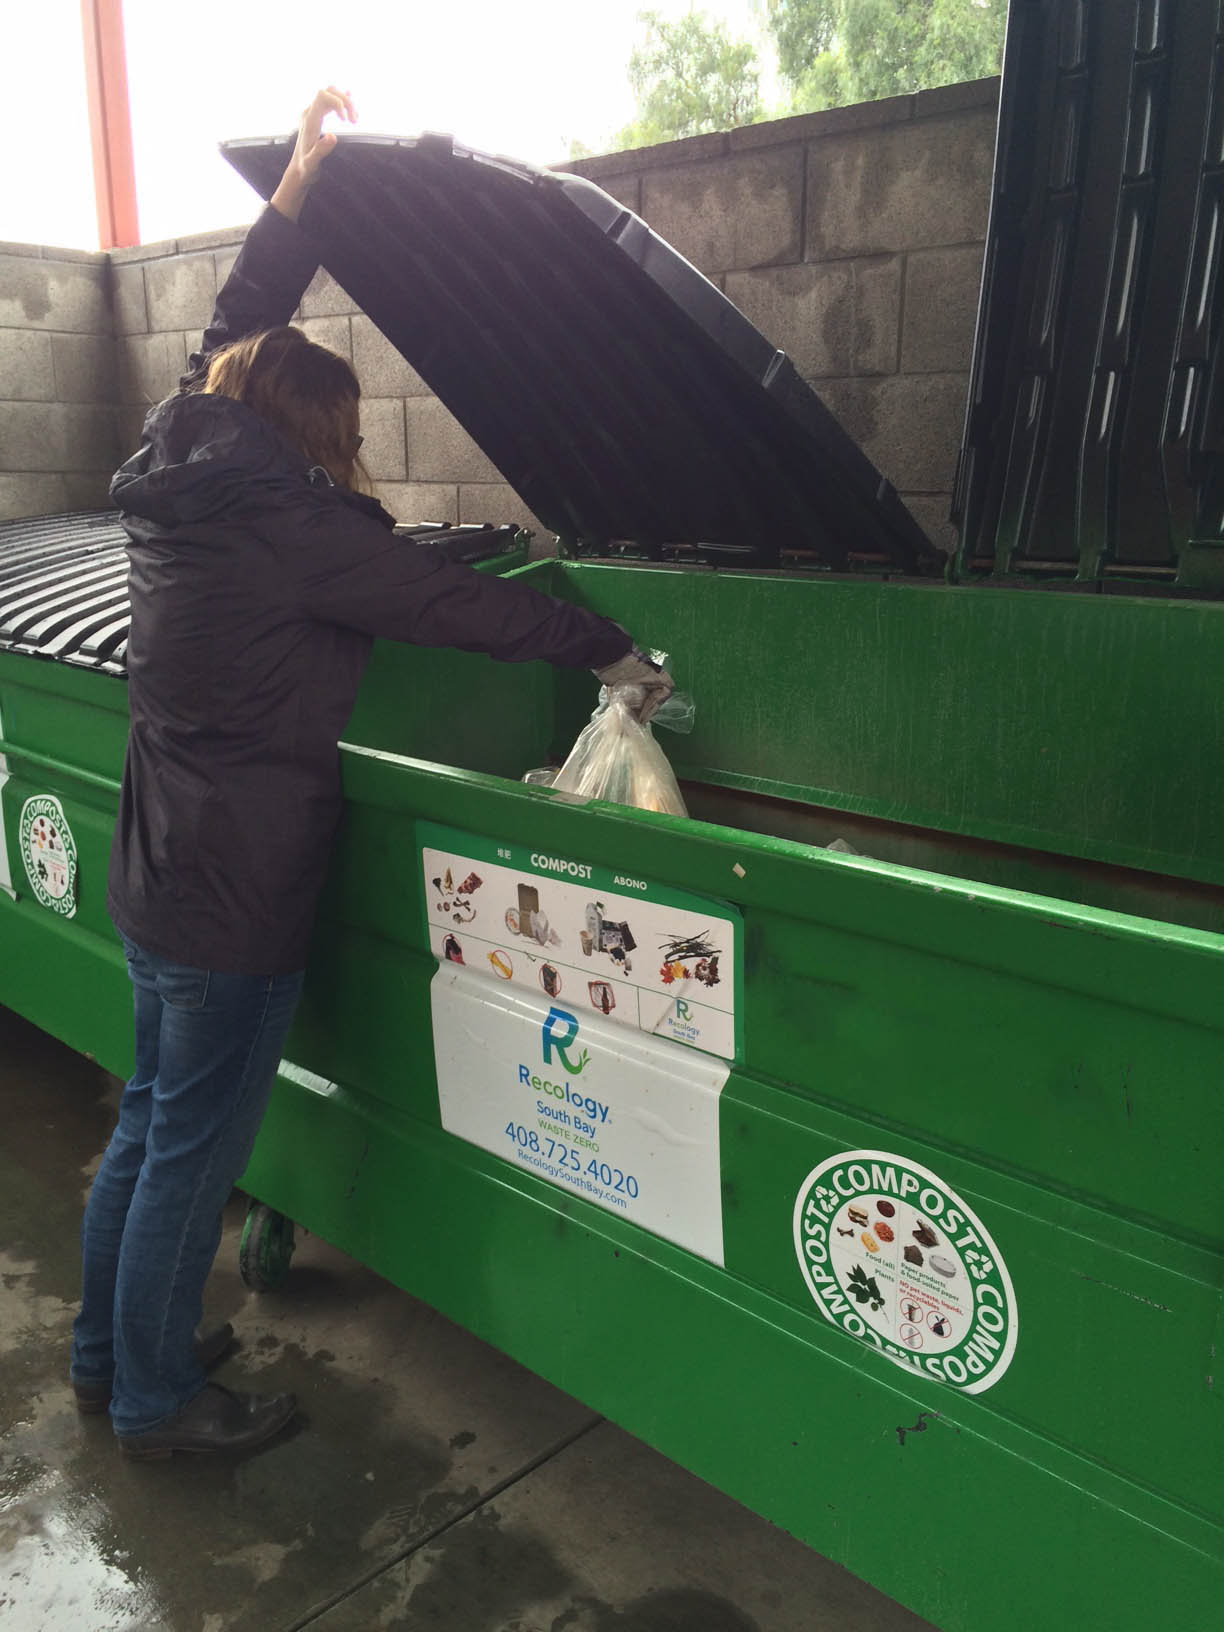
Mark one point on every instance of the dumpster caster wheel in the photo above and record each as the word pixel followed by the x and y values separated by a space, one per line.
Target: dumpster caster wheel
pixel 265 1249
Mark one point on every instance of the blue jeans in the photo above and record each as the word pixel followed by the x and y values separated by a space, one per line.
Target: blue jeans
pixel 207 1049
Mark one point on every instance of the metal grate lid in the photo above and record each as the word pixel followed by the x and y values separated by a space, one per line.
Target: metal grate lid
pixel 63 589
pixel 617 390
pixel 64 581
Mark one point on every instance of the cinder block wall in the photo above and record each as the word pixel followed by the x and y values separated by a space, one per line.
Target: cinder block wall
pixel 58 443
pixel 852 239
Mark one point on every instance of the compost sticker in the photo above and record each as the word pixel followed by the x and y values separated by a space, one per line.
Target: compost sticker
pixel 898 1260
pixel 49 853
pixel 595 940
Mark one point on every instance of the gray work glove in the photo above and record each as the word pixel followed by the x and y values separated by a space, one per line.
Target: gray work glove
pixel 652 685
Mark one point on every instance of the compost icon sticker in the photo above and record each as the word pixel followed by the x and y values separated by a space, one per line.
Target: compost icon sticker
pixel 49 853
pixel 898 1260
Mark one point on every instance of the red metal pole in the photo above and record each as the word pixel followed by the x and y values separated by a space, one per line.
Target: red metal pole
pixel 110 123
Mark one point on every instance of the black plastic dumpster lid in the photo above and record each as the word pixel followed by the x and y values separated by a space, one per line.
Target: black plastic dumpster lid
pixel 1095 424
pixel 617 390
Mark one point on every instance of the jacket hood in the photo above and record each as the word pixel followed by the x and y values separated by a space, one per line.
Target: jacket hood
pixel 202 455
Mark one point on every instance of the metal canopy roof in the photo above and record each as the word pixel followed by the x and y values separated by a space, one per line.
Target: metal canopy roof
pixel 617 390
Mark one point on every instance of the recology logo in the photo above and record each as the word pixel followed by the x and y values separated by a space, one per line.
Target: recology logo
pixel 560 1020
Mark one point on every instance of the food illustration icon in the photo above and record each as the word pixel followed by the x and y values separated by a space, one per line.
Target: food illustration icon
pixel 943 1266
pixel 884 1231
pixel 885 1209
pixel 501 965
pixel 869 1241
pixel 840 1231
pixel 471 884
pixel 925 1235
pixel 448 883
pixel 857 1215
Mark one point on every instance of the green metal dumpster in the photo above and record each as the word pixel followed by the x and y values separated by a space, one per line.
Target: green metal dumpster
pixel 880 1188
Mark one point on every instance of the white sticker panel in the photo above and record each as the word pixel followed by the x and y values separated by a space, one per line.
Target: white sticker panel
pixel 612 1115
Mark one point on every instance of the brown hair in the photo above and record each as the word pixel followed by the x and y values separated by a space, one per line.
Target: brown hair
pixel 306 391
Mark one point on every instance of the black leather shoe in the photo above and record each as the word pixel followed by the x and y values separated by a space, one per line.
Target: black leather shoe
pixel 216 1420
pixel 94 1397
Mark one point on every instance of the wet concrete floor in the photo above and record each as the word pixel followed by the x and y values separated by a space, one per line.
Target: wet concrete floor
pixel 429 1482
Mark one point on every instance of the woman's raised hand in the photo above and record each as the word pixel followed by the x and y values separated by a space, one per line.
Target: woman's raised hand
pixel 311 148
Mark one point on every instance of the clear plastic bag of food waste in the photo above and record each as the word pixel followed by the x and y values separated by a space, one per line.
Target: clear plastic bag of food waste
pixel 618 759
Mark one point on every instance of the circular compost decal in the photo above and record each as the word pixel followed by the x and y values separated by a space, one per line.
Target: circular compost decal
pixel 897 1259
pixel 49 853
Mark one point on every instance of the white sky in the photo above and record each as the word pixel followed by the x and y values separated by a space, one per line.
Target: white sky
pixel 519 78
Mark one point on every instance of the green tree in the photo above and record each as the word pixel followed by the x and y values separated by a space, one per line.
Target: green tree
pixel 833 52
pixel 689 76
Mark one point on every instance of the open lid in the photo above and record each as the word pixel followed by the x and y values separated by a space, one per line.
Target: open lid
pixel 1095 423
pixel 616 389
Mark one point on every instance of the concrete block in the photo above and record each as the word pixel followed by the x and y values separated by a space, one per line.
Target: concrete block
pixel 88 489
pixel 150 367
pixel 971 93
pixel 910 186
pixel 841 317
pixel 740 212
pixel 26 370
pixel 382 426
pixel 181 292
pixel 25 494
pixel 440 450
pixel 221 238
pixel 155 251
pixel 688 150
pixel 325 298
pixel 380 368
pixel 802 127
pixel 908 425
pixel 128 299
pixel 128 425
pixel 27 251
pixel 86 257
pixel 65 295
pixel 56 436
pixel 332 332
pixel 224 260
pixel 626 190
pixel 941 300
pixel 86 367
pixel 413 502
pixel 930 511
pixel 498 503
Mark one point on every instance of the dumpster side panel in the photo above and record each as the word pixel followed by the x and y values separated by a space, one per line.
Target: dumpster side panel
pixel 1058 1068
pixel 1081 724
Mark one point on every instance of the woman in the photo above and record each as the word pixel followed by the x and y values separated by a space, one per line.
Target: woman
pixel 259 577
